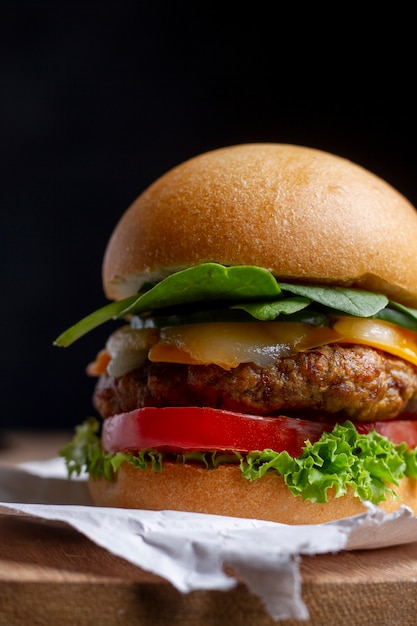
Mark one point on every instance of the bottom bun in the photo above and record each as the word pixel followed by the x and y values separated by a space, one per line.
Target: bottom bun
pixel 224 491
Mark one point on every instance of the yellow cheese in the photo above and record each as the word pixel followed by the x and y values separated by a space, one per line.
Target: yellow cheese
pixel 228 345
pixel 379 334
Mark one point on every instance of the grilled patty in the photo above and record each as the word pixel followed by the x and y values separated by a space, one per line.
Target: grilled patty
pixel 354 382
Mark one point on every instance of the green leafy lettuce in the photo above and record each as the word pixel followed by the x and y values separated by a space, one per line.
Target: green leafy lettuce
pixel 368 464
pixel 214 292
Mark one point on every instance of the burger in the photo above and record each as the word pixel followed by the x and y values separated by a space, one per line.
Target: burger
pixel 263 357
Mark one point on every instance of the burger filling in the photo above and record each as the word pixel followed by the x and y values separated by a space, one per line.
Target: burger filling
pixel 234 346
pixel 345 382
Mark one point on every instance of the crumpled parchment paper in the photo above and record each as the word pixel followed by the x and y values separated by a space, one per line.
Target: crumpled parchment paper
pixel 192 550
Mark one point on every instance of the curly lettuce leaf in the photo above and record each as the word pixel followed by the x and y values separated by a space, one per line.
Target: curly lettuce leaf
pixel 369 464
pixel 85 454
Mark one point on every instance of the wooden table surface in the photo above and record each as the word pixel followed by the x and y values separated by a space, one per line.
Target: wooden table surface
pixel 51 574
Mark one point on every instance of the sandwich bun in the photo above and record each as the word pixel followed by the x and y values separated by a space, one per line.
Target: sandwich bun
pixel 301 213
pixel 223 491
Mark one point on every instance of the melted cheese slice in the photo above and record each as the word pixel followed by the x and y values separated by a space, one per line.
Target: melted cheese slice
pixel 379 334
pixel 228 345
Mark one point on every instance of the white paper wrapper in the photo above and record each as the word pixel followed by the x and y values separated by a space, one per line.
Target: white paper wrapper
pixel 192 550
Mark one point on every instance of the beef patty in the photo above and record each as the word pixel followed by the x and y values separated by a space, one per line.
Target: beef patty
pixel 354 382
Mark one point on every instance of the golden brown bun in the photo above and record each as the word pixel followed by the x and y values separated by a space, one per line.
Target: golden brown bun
pixel 301 213
pixel 224 491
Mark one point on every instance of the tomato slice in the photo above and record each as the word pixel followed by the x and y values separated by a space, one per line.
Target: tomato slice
pixel 397 431
pixel 207 429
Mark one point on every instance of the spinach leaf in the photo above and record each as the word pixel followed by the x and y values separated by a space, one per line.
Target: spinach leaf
pixel 351 301
pixel 206 282
pixel 114 310
pixel 265 311
pixel 400 315
pixel 214 292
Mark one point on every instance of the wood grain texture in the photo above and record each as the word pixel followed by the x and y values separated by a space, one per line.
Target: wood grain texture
pixel 51 574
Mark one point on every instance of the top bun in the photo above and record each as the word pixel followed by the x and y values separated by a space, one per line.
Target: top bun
pixel 301 213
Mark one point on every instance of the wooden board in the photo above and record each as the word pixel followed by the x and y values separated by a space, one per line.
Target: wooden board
pixel 51 574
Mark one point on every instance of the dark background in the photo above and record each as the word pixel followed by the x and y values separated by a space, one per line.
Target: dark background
pixel 99 99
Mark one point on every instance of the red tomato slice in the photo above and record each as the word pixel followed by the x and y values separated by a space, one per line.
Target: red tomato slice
pixel 398 431
pixel 207 429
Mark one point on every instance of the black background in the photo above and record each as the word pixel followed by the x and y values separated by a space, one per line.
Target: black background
pixel 99 99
